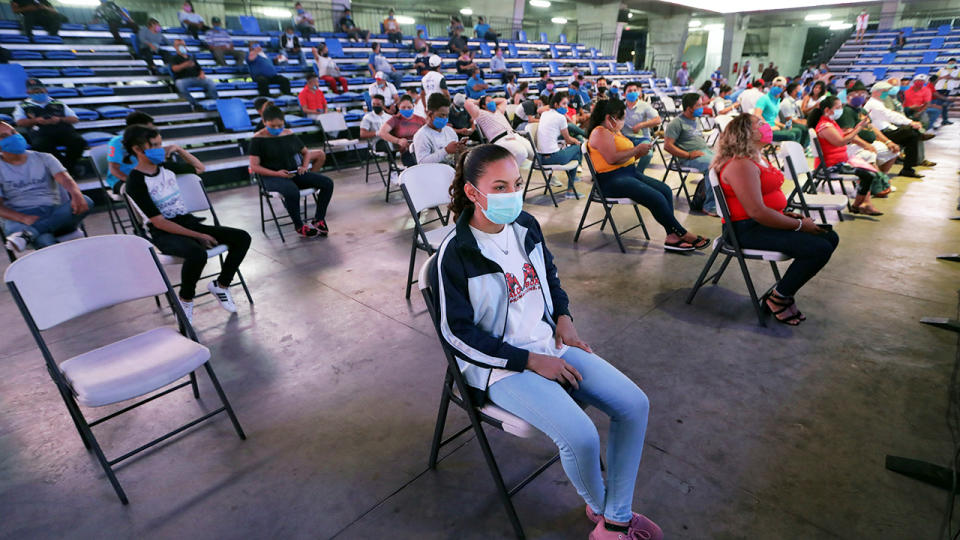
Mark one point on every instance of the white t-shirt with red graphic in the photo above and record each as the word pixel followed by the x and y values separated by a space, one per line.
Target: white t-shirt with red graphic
pixel 526 327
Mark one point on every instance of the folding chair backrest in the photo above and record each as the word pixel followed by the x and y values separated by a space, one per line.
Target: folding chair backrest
pixel 532 130
pixel 13 81
pixel 821 163
pixel 234 115
pixel 794 151
pixel 723 120
pixel 511 111
pixel 192 192
pixel 98 155
pixel 585 152
pixel 427 185
pixel 668 104
pixel 332 122
pixel 74 278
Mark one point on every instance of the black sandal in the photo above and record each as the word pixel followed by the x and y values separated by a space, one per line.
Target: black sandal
pixel 784 303
pixel 679 246
pixel 701 242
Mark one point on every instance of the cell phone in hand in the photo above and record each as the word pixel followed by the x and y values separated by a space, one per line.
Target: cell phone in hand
pixel 825 227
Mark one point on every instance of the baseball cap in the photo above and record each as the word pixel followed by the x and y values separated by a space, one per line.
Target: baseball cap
pixel 459 100
pixel 881 86
pixel 35 84
pixel 920 77
pixel 380 76
pixel 435 60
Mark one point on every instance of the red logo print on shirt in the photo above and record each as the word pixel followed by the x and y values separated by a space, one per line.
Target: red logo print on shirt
pixel 517 289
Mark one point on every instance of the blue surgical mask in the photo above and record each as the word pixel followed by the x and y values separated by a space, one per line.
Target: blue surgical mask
pixel 562 110
pixel 40 99
pixel 502 208
pixel 155 155
pixel 904 88
pixel 406 113
pixel 632 96
pixel 274 131
pixel 491 105
pixel 857 101
pixel 837 113
pixel 14 144
pixel 439 123
pixel 698 112
pixel 182 49
pixel 775 91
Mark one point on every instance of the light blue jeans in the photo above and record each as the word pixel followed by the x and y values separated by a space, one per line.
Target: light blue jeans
pixel 53 221
pixel 209 87
pixel 702 164
pixel 563 156
pixel 550 408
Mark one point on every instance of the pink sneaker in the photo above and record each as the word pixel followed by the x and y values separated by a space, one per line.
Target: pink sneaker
pixel 640 527
pixel 601 533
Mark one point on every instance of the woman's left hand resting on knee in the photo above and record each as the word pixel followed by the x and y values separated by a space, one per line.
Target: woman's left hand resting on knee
pixel 554 369
pixel 566 334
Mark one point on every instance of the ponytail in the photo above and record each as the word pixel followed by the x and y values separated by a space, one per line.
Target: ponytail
pixel 815 115
pixel 470 166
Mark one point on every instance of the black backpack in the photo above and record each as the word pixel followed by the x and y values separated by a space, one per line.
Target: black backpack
pixel 699 195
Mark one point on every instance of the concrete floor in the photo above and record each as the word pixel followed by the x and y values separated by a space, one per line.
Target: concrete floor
pixel 754 432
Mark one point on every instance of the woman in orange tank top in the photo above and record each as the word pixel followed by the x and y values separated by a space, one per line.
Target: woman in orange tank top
pixel 613 157
pixel 752 189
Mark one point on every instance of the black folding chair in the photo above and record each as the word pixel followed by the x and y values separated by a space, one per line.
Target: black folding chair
pixel 284 218
pixel 683 172
pixel 728 245
pixel 822 175
pixel 66 281
pixel 456 391
pixel 596 196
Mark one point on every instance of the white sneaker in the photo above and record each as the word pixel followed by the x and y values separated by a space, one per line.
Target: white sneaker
pixel 17 242
pixel 554 182
pixel 893 188
pixel 187 309
pixel 571 194
pixel 223 296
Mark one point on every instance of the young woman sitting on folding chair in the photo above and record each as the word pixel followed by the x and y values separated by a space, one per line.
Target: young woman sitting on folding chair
pixel 273 155
pixel 752 189
pixel 524 353
pixel 173 230
pixel 614 157
pixel 834 141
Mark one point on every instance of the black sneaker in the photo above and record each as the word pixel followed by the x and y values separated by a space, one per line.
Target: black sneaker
pixel 307 231
pixel 910 173
pixel 321 226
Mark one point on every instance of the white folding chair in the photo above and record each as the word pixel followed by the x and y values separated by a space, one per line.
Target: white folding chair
pixel 66 281
pixel 98 156
pixel 719 125
pixel 545 170
pixel 334 122
pixel 597 196
pixel 426 187
pixel 801 198
pixel 728 244
pixel 196 201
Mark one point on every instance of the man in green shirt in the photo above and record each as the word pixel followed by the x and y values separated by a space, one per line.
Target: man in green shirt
pixel 684 140
pixel 870 145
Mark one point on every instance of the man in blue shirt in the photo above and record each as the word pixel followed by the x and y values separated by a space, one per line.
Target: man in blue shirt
pixel 483 31
pixel 768 108
pixel 476 87
pixel 379 63
pixel 498 65
pixel 263 72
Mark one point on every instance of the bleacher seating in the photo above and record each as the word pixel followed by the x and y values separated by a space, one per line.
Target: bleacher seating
pixel 103 81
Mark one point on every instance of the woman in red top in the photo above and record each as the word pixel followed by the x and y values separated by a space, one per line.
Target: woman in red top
pixel 752 188
pixel 834 141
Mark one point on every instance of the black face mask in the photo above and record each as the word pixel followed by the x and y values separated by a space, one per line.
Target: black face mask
pixel 377 109
pixel 326 54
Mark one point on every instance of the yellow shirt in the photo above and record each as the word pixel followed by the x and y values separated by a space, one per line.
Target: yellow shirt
pixel 620 143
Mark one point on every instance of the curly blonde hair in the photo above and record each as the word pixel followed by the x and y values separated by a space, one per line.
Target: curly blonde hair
pixel 736 141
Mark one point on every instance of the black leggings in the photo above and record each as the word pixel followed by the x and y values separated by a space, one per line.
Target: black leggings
pixel 264 82
pixel 195 255
pixel 290 188
pixel 810 252
pixel 909 139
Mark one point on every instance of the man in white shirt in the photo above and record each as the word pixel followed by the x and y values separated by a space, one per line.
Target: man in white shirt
pixel 385 89
pixel 436 142
pixel 379 64
pixel 376 117
pixel 553 126
pixel 432 82
pixel 863 19
pixel 948 78
pixel 748 99
pixel 896 127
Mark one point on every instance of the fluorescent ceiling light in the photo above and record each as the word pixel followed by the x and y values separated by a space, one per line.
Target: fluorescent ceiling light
pixel 817 17
pixel 827 23
pixel 630 15
pixel 748 6
pixel 403 19
pixel 694 24
pixel 540 3
pixel 558 20
pixel 466 11
pixel 276 13
pixel 841 26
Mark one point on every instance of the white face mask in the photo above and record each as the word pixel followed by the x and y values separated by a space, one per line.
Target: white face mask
pixel 837 113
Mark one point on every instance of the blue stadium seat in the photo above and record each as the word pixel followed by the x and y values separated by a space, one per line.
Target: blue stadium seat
pixel 930 57
pixel 85 114
pixel 43 72
pixel 114 111
pixel 484 49
pixel 250 25
pixel 60 55
pixel 424 28
pixel 246 85
pixel 47 39
pixel 526 69
pixel 333 44
pixel 353 115
pixel 936 43
pixel 13 81
pixel 543 37
pixel 6 118
pixel 574 52
pixel 62 92
pixel 18 54
pixel 96 138
pixel 233 113
pixel 10 25
pixel 346 96
pixel 226 86
pixel 943 30
pixel 521 36
pixel 96 91
pixel 553 51
pixel 14 39
pixel 297 121
pixel 512 51
pixel 562 38
pixel 208 105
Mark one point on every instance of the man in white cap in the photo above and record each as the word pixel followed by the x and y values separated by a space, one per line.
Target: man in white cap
pixel 896 127
pixel 432 82
pixel 916 100
pixel 379 65
pixel 381 87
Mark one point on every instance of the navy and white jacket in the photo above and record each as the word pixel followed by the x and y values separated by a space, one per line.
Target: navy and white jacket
pixel 474 300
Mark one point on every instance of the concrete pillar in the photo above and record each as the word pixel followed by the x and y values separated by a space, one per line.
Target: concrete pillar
pixel 890 12
pixel 518 10
pixel 734 34
pixel 666 38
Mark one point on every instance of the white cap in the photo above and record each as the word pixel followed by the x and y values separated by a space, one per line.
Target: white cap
pixel 435 60
pixel 380 76
pixel 920 77
pixel 459 99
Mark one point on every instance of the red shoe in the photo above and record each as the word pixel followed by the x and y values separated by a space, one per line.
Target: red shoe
pixel 307 231
pixel 321 226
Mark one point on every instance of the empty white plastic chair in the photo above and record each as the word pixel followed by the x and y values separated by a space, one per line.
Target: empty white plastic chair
pixel 426 186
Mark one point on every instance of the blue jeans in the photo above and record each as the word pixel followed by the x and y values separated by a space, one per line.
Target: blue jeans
pixel 702 164
pixel 208 85
pixel 565 155
pixel 53 221
pixel 656 196
pixel 396 78
pixel 643 162
pixel 942 112
pixel 551 409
